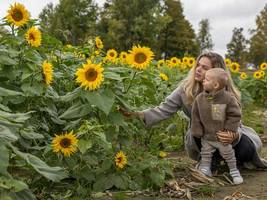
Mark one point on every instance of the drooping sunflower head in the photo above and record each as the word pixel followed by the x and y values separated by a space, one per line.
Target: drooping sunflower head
pixel 160 63
pixel 99 43
pixel 65 144
pixel 263 66
pixel 140 57
pixel 257 74
pixel 120 160
pixel 33 36
pixel 90 75
pixel 18 15
pixel 164 77
pixel 243 76
pixel 234 67
pixel 47 72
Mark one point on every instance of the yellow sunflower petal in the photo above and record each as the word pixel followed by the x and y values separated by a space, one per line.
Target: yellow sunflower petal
pixel 120 160
pixel 164 77
pixel 47 72
pixel 99 43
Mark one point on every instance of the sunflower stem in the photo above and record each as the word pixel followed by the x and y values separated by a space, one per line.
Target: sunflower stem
pixel 130 84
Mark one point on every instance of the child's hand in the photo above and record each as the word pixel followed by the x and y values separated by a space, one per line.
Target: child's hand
pixel 227 137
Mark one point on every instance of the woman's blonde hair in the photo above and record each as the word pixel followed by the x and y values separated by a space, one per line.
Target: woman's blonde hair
pixel 193 88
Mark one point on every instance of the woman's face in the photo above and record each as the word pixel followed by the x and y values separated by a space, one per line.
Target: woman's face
pixel 203 65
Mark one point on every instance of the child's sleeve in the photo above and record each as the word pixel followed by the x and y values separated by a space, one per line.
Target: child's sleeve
pixel 233 115
pixel 196 124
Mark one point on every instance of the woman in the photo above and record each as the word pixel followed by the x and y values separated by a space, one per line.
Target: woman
pixel 246 142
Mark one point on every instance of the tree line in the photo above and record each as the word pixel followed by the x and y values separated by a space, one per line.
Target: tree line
pixel 159 24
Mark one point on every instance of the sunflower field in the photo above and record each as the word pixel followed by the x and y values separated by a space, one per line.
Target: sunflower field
pixel 62 134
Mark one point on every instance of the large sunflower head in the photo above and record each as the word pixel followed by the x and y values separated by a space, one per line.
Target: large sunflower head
pixel 234 67
pixel 98 43
pixel 90 75
pixel 65 144
pixel 33 36
pixel 18 15
pixel 263 66
pixel 47 72
pixel 140 57
pixel 120 160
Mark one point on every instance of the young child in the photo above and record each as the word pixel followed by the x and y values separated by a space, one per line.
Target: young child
pixel 214 110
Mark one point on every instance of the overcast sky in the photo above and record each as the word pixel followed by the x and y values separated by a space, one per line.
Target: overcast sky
pixel 223 15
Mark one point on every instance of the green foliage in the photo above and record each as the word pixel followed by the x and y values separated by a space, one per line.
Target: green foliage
pixel 204 37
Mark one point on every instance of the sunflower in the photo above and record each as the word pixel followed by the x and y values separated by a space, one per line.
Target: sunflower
pixel 164 77
pixel 262 73
pixel 234 67
pixel 65 144
pixel 162 154
pixel 47 72
pixel 191 61
pixel 227 62
pixel 123 56
pixel 257 75
pixel 33 36
pixel 174 62
pixel 263 66
pixel 185 60
pixel 111 54
pixel 18 15
pixel 140 57
pixel 120 160
pixel 91 75
pixel 160 63
pixel 243 76
pixel 98 43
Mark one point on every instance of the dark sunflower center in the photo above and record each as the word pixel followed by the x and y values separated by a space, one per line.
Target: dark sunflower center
pixel 31 36
pixel 191 61
pixel 174 61
pixel 124 56
pixel 17 15
pixel 91 75
pixel 140 58
pixel 65 142
pixel 111 54
pixel 119 159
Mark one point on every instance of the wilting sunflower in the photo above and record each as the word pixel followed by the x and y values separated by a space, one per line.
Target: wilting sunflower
pixel 47 72
pixel 243 76
pixel 17 15
pixel 33 36
pixel 263 66
pixel 257 74
pixel 227 62
pixel 65 144
pixel 140 57
pixel 174 62
pixel 123 56
pixel 90 76
pixel 120 160
pixel 164 77
pixel 160 63
pixel 111 55
pixel 234 67
pixel 98 43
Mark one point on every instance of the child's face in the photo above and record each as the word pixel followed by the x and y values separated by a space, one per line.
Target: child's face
pixel 209 83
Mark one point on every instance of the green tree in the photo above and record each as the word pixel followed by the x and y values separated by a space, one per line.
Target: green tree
pixel 70 21
pixel 124 23
pixel 178 37
pixel 204 37
pixel 237 47
pixel 258 41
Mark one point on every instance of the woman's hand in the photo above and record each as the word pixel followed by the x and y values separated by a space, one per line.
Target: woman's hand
pixel 130 114
pixel 227 137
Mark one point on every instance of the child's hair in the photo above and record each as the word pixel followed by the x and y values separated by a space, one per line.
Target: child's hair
pixel 220 76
